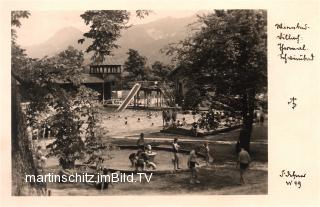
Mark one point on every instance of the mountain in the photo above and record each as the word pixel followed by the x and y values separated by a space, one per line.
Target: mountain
pixel 58 42
pixel 147 38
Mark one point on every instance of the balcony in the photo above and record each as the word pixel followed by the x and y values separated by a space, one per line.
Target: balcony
pixel 105 69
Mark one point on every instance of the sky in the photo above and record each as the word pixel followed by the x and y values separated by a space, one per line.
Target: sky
pixel 42 25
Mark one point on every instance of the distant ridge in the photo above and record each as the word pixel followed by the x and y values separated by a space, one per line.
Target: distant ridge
pixel 147 38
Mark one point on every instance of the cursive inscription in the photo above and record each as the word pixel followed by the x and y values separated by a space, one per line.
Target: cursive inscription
pixel 298 26
pixel 292 178
pixel 290 45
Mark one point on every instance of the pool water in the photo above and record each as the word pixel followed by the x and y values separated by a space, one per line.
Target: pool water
pixel 126 123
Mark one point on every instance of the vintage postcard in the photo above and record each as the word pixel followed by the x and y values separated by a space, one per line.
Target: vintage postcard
pixel 154 104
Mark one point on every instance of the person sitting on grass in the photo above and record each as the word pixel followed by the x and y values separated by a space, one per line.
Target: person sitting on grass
pixel 244 160
pixel 192 162
pixel 148 163
pixel 140 160
pixel 149 153
pixel 132 158
pixel 149 150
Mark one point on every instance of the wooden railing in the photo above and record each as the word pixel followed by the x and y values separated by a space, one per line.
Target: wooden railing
pixel 105 69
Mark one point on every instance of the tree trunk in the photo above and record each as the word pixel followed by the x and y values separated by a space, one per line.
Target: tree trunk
pixel 248 116
pixel 22 158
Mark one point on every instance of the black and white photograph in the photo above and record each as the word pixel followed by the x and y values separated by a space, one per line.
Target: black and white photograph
pixel 139 102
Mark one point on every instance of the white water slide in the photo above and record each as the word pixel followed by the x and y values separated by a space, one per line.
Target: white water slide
pixel 130 96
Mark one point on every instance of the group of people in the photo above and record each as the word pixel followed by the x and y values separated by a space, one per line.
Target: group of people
pixel 179 123
pixel 169 118
pixel 149 116
pixel 143 158
pixel 243 160
pixel 192 159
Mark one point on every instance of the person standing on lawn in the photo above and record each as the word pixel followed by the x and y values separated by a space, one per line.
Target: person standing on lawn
pixel 207 153
pixel 141 143
pixel 192 162
pixel 244 160
pixel 175 160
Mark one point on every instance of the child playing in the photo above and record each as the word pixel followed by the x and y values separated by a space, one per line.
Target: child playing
pixel 192 162
pixel 149 162
pixel 140 163
pixel 132 158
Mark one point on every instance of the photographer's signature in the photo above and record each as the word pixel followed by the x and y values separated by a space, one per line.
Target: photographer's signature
pixel 293 178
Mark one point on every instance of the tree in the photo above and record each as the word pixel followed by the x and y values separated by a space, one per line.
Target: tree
pixel 66 123
pixel 229 55
pixel 15 22
pixel 105 29
pixel 191 99
pixel 21 153
pixel 18 57
pixel 53 87
pixel 136 65
pixel 160 71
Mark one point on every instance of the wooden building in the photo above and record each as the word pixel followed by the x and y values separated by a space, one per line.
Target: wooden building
pixel 110 74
